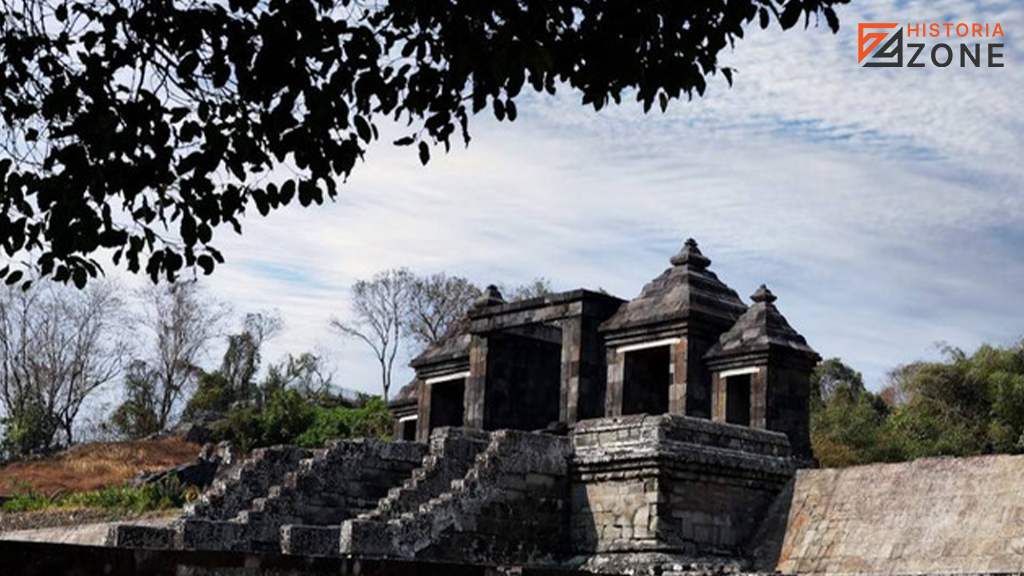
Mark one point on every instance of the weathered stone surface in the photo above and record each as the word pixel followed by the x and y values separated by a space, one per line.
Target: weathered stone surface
pixel 933 516
pixel 140 537
pixel 511 507
pixel 686 291
pixel 252 479
pixel 672 484
pixel 453 452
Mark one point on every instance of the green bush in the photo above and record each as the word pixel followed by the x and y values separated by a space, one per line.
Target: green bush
pixel 30 429
pixel 286 416
pixel 214 393
pixel 328 423
pixel 290 418
pixel 372 420
pixel 242 427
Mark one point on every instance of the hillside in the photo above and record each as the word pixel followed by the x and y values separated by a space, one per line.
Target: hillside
pixel 95 465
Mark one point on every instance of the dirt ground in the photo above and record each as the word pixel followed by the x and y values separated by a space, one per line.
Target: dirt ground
pixel 43 519
pixel 93 466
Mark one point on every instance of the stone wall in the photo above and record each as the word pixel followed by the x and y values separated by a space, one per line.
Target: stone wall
pixel 48 559
pixel 672 484
pixel 933 516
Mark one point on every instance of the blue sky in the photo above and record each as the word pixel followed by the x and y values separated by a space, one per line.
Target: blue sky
pixel 885 207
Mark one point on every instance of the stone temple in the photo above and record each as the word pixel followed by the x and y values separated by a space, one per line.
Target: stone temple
pixel 581 432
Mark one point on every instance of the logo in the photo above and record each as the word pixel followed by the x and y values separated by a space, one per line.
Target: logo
pixel 875 38
pixel 881 45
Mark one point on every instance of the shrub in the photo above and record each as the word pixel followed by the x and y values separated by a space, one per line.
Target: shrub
pixel 286 416
pixel 214 393
pixel 328 423
pixel 242 427
pixel 290 418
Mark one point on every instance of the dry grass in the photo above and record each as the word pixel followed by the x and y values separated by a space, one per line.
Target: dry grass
pixel 93 466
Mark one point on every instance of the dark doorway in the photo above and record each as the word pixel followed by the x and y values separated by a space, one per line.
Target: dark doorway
pixel 646 380
pixel 737 399
pixel 524 376
pixel 409 430
pixel 446 403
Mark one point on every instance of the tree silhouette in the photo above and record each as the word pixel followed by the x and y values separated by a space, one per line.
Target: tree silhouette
pixel 141 126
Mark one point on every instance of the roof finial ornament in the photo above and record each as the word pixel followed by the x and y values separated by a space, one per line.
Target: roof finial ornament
pixel 763 294
pixel 491 297
pixel 691 255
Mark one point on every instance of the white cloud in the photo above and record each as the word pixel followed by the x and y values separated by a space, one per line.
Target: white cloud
pixel 883 206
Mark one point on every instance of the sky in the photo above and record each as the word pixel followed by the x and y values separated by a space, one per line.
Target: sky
pixel 884 207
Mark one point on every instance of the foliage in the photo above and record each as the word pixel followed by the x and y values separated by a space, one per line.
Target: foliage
pixel 851 427
pixel 214 393
pixel 136 416
pixel 286 416
pixel 235 381
pixel 372 420
pixel 30 429
pixel 141 127
pixel 243 356
pixel 968 404
pixel 241 426
pixel 156 496
pixel 291 418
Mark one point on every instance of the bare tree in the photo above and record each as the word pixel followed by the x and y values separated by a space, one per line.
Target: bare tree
pixel 534 289
pixel 379 308
pixel 57 346
pixel 436 303
pixel 183 320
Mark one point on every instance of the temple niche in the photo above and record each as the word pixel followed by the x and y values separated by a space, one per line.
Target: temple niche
pixel 687 345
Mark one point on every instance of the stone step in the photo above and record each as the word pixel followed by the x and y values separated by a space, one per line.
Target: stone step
pixel 199 534
pixel 304 540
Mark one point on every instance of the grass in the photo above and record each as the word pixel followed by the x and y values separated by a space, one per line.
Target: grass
pixel 94 468
pixel 145 498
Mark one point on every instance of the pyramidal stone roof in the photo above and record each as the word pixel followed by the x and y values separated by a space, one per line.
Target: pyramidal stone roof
pixel 685 290
pixel 407 394
pixel 762 327
pixel 455 345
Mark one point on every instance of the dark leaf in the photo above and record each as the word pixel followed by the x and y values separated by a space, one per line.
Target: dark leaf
pixel 424 153
pixel 791 15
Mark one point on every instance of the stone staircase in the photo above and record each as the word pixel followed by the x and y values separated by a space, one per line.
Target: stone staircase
pixel 333 484
pixel 468 494
pixel 451 454
pixel 511 504
pixel 266 467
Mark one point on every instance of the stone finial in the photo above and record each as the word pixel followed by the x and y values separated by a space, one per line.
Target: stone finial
pixel 763 294
pixel 690 255
pixel 491 297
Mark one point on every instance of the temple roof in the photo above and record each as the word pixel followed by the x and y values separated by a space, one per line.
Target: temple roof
pixel 454 346
pixel 760 328
pixel 686 289
pixel 408 394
